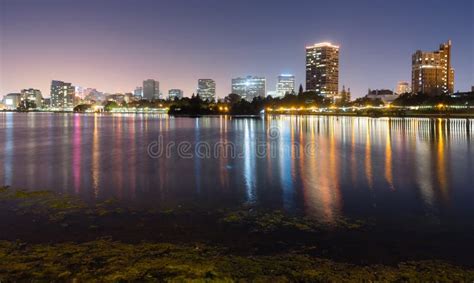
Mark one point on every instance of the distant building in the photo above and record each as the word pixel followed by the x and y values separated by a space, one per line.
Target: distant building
pixel 175 94
pixel 207 89
pixel 386 95
pixel 249 87
pixel 46 101
pixel 272 93
pixel 33 97
pixel 403 87
pixel 11 101
pixel 79 92
pixel 129 97
pixel 285 85
pixel 472 88
pixel 151 89
pixel 62 94
pixel 138 92
pixel 432 73
pixel 118 98
pixel 92 95
pixel 322 69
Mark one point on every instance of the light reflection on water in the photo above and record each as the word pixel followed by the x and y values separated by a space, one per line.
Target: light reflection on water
pixel 360 166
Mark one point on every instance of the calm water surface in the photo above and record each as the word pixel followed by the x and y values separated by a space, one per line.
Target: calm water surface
pixel 324 167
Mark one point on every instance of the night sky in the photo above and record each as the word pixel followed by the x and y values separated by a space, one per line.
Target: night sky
pixel 113 45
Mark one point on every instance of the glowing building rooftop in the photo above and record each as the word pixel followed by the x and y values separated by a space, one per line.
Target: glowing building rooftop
pixel 322 44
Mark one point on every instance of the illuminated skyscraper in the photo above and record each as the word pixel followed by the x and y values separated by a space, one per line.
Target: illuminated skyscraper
pixel 285 84
pixel 151 89
pixel 207 89
pixel 432 73
pixel 62 94
pixel 249 87
pixel 175 94
pixel 322 69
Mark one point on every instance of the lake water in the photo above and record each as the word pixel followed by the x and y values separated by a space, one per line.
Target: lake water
pixel 323 167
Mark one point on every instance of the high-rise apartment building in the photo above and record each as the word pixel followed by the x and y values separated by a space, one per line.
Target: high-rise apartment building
pixel 285 85
pixel 62 94
pixel 403 87
pixel 151 89
pixel 432 73
pixel 249 87
pixel 322 69
pixel 175 94
pixel 207 89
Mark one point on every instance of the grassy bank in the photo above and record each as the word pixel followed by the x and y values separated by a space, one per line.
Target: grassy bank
pixel 106 260
pixel 52 237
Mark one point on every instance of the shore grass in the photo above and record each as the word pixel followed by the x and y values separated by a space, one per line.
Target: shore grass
pixel 78 242
pixel 110 261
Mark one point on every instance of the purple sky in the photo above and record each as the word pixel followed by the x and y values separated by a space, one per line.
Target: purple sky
pixel 112 45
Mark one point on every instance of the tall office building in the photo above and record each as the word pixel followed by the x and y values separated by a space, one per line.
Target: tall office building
pixel 175 94
pixel 322 69
pixel 249 87
pixel 62 94
pixel 285 84
pixel 151 89
pixel 33 97
pixel 403 87
pixel 432 73
pixel 207 89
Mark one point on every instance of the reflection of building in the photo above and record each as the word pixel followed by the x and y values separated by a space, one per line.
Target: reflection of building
pixel 175 94
pixel 207 89
pixel 33 97
pixel 138 92
pixel 322 69
pixel 151 89
pixel 431 71
pixel 12 101
pixel 249 87
pixel 62 94
pixel 403 87
pixel 285 85
pixel 386 95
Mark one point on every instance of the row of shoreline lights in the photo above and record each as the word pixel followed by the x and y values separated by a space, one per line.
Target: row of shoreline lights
pixel 389 106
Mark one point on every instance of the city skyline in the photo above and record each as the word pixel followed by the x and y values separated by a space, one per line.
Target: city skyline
pixel 114 55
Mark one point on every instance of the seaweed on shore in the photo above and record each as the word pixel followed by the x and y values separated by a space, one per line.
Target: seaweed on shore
pixel 109 261
pixel 103 258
